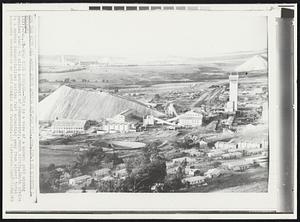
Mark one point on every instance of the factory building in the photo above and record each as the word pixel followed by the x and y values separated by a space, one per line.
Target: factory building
pixel 148 120
pixel 121 127
pixel 123 122
pixel 68 126
pixel 190 118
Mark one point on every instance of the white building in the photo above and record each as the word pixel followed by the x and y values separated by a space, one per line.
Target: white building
pixel 229 106
pixel 123 122
pixel 194 180
pixel 191 171
pixel 81 180
pixel 225 145
pixel 193 152
pixel 107 178
pixel 215 153
pixel 111 127
pixel 148 120
pixel 212 173
pixel 202 144
pixel 249 145
pixel 68 126
pixel 101 172
pixel 172 170
pixel 190 118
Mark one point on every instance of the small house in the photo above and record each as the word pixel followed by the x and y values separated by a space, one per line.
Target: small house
pixel 183 159
pixel 121 173
pixel 212 173
pixel 194 180
pixel 101 172
pixel 81 180
pixel 225 146
pixel 193 152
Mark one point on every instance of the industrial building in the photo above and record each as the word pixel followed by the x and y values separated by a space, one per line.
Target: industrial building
pixel 123 122
pixel 112 127
pixel 190 118
pixel 148 120
pixel 68 126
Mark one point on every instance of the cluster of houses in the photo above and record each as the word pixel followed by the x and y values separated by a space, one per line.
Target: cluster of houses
pixel 232 160
pixel 100 175
pixel 193 174
pixel 233 157
pixel 225 150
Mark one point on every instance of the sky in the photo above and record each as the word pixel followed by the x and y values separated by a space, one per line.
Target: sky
pixel 152 34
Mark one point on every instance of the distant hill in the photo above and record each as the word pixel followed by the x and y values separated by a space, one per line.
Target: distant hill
pixel 255 63
pixel 70 103
pixel 150 61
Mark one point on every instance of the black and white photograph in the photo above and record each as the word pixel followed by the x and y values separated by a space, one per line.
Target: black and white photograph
pixel 137 105
pixel 149 111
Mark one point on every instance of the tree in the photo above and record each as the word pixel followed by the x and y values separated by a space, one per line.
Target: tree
pixel 172 183
pixel 148 175
pixel 50 183
pixel 156 97
pixel 146 170
pixel 89 160
pixel 113 158
pixel 51 167
pixel 111 186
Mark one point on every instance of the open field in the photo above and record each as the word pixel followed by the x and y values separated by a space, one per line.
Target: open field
pixel 57 157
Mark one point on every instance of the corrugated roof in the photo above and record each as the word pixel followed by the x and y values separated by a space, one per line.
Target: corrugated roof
pixel 68 123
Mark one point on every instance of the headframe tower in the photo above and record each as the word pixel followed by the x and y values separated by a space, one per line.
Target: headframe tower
pixel 233 90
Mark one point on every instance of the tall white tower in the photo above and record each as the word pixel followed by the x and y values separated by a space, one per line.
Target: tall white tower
pixel 233 90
